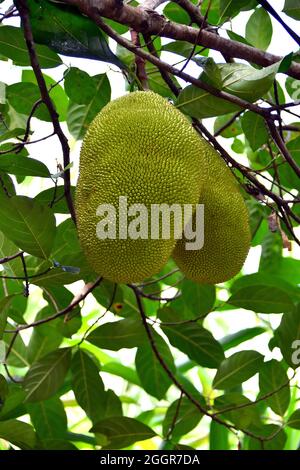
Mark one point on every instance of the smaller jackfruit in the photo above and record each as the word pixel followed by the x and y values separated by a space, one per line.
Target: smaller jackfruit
pixel 226 228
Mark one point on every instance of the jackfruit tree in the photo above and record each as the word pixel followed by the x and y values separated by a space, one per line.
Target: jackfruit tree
pixel 149 225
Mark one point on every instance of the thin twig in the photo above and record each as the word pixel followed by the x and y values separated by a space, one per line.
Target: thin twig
pixel 24 14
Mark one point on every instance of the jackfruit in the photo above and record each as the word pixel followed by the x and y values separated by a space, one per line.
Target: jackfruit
pixel 138 146
pixel 226 228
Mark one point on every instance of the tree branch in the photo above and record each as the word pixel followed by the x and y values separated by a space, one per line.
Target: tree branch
pixel 76 301
pixel 23 10
pixel 170 69
pixel 150 22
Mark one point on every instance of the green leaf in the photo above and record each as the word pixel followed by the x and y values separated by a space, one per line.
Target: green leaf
pixel 231 131
pixel 79 86
pixel 268 430
pixel 230 8
pixel 240 80
pixel 122 432
pixel 294 420
pixel 288 177
pixel 184 49
pixel 272 376
pixel 29 224
pixel 67 32
pixel 195 300
pixel 128 333
pixel 218 437
pixel 12 46
pixel 54 198
pixel 293 88
pixel 3 390
pixel 13 402
pixel 175 13
pixel 266 279
pixel 152 375
pixel 254 129
pixel 4 304
pixel 22 96
pixel 11 134
pixel 237 369
pixel 48 418
pixel 87 385
pixel 18 433
pixel 233 340
pixel 44 339
pixel 237 37
pixel 241 417
pixel 56 92
pixel 259 29
pixel 46 376
pixel 288 336
pixel 196 342
pixel 80 116
pixel 262 299
pixel 292 9
pixel 23 166
pixel 186 417
pixel 17 356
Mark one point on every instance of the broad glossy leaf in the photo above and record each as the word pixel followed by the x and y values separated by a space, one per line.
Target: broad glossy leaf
pixel 17 356
pixel 237 369
pixel 186 417
pixel 18 433
pixel 87 385
pixel 238 79
pixel 46 376
pixel 262 299
pixel 259 29
pixel 196 342
pixel 45 338
pixel 56 92
pixel 241 417
pixel 80 116
pixel 195 299
pixel 233 340
pixel 23 95
pixel 218 437
pixel 288 177
pixel 292 9
pixel 294 420
pixel 121 431
pixel 23 166
pixel 288 336
pixel 49 418
pixel 13 402
pixel 293 88
pixel 67 32
pixel 272 376
pixel 79 86
pixel 29 224
pixel 128 333
pixel 230 8
pixel 254 129
pixel 152 375
pixel 268 430
pixel 176 13
pixel 54 199
pixel 12 45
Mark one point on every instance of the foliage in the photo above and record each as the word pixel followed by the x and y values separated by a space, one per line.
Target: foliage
pixel 93 365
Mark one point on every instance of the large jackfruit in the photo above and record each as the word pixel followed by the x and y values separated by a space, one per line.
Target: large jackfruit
pixel 139 146
pixel 226 228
